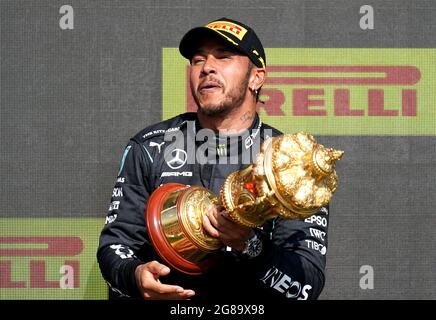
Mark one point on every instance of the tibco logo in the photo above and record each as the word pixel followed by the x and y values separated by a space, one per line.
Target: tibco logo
pixel 316 246
pixel 52 247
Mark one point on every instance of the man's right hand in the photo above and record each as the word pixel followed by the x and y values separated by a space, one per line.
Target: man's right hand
pixel 147 279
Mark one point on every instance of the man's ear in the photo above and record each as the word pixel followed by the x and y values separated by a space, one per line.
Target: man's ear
pixel 257 78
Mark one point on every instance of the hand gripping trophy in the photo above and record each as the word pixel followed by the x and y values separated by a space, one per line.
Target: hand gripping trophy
pixel 292 177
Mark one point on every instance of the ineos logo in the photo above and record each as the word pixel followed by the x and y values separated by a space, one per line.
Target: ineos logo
pixel 178 160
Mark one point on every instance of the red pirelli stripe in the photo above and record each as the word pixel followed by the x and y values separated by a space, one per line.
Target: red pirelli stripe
pixel 390 75
pixel 52 246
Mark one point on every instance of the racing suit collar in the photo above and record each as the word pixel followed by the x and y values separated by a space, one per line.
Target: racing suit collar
pixel 224 144
pixel 255 125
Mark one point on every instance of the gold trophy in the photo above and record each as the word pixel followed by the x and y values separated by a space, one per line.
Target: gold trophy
pixel 292 177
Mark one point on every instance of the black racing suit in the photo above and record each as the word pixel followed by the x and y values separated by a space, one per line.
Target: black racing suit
pixel 292 262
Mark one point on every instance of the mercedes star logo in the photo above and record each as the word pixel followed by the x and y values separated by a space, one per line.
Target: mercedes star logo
pixel 178 160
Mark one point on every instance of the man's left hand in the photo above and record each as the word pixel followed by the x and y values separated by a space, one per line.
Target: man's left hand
pixel 218 224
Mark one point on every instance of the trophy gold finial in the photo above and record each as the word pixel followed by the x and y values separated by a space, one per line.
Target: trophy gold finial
pixel 324 159
pixel 293 176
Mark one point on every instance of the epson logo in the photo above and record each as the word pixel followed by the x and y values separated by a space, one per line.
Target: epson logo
pixel 321 221
pixel 176 174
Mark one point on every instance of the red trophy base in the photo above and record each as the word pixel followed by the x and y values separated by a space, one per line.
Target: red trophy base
pixel 171 232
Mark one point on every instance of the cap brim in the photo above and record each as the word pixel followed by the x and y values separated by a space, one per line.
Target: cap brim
pixel 189 42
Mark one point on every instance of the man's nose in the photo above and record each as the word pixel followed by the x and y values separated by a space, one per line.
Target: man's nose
pixel 209 65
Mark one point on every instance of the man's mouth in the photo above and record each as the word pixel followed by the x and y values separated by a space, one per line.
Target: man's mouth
pixel 209 87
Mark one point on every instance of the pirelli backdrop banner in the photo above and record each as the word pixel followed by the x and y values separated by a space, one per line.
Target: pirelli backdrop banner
pixel 79 78
pixel 332 91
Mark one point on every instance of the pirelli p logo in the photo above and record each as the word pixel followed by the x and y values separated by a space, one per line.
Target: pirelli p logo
pixel 336 91
pixel 37 250
pixel 232 28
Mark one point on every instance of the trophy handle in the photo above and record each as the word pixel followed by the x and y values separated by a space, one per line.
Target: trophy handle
pixel 168 234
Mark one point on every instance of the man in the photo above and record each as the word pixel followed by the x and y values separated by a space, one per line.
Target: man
pixel 278 260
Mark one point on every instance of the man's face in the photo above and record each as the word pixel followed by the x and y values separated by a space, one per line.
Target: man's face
pixel 219 77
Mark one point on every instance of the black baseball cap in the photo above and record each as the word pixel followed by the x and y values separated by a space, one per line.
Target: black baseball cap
pixel 241 36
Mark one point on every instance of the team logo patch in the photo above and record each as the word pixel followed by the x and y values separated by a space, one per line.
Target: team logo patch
pixel 232 28
pixel 178 159
pixel 158 145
